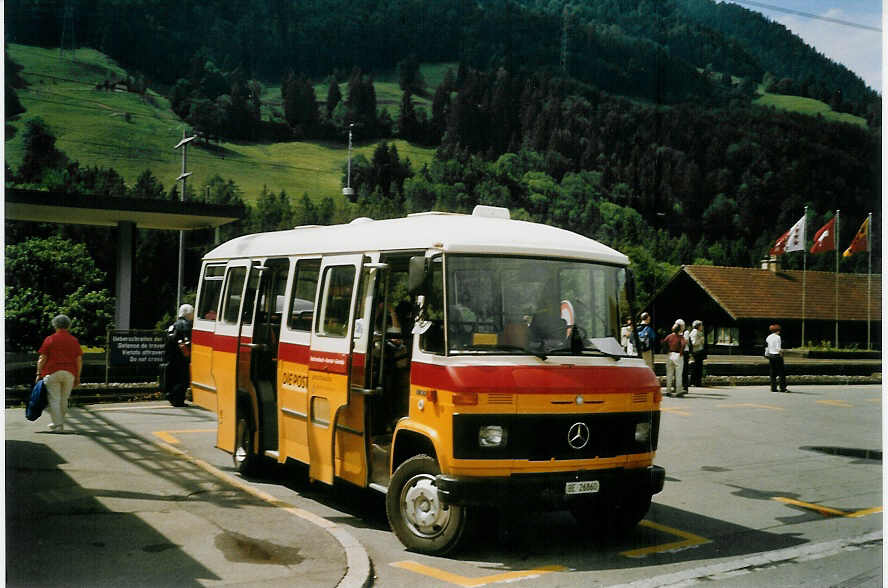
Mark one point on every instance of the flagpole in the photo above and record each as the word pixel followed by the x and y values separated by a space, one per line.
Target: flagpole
pixel 836 239
pixel 804 271
pixel 869 275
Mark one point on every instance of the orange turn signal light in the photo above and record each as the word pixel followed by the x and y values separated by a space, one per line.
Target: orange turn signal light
pixel 465 398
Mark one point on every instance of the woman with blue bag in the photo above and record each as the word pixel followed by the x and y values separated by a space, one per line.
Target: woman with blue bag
pixel 59 364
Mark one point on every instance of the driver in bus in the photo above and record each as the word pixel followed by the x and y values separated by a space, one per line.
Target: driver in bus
pixel 548 329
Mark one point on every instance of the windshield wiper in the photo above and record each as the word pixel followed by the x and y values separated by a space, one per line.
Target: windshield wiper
pixel 502 347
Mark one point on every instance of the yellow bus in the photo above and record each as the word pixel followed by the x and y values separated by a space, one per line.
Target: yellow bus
pixel 450 361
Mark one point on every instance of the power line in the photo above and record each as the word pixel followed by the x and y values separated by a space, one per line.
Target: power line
pixel 807 15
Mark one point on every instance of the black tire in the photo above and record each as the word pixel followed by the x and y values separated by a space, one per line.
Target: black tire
pixel 416 515
pixel 246 462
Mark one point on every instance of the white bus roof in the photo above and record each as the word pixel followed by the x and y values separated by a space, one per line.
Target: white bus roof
pixel 448 232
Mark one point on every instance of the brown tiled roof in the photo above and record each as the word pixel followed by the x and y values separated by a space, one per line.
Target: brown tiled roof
pixel 760 293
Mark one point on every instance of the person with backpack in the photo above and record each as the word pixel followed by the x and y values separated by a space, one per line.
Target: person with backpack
pixel 177 357
pixel 646 338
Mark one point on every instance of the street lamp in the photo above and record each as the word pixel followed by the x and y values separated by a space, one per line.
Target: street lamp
pixel 182 177
pixel 348 191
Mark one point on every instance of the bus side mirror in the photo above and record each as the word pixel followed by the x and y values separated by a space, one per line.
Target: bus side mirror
pixel 418 275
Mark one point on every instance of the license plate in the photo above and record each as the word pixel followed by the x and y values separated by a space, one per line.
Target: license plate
pixel 588 487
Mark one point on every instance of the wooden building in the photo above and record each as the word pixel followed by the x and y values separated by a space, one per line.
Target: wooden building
pixel 738 304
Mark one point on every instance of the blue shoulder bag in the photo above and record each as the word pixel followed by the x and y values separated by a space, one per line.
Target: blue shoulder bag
pixel 37 401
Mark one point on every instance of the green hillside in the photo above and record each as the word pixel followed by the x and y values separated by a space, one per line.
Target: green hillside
pixel 808 106
pixel 124 131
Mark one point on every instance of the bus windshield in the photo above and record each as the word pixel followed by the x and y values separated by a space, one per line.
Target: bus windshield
pixel 499 305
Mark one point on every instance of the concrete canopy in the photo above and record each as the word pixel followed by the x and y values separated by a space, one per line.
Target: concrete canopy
pixel 127 214
pixel 109 211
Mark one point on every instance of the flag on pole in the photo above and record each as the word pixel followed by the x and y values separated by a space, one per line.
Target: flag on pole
pixel 825 238
pixel 860 242
pixel 791 240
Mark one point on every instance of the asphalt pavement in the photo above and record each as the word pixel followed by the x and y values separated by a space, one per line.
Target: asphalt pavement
pixel 98 505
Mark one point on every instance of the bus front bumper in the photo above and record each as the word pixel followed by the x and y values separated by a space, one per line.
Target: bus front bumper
pixel 550 490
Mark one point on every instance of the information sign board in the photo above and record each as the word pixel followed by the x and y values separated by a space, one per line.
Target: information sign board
pixel 136 347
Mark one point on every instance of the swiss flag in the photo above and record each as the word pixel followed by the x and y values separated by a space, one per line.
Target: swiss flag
pixel 791 240
pixel 825 238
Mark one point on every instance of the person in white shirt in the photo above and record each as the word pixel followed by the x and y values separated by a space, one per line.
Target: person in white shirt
pixel 774 353
pixel 698 352
pixel 685 355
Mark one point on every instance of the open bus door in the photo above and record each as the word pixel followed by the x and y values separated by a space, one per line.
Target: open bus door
pixel 330 358
pixel 233 333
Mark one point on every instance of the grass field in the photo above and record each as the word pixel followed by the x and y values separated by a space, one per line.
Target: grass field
pixel 123 131
pixel 808 106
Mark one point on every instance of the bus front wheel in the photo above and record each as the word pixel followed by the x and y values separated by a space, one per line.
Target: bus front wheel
pixel 415 513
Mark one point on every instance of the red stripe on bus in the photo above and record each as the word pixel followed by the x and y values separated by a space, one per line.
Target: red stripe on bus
pixel 224 343
pixel 294 353
pixel 556 379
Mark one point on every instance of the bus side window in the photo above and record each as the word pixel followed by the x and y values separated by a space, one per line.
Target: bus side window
pixel 210 292
pixel 302 301
pixel 432 340
pixel 233 292
pixel 338 285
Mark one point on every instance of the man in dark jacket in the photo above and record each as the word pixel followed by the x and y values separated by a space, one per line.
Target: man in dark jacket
pixel 177 356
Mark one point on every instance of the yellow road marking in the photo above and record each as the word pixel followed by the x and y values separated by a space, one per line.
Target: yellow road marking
pixel 169 438
pixel 840 403
pixel 674 411
pixel 688 540
pixel 458 580
pixel 750 405
pixel 827 511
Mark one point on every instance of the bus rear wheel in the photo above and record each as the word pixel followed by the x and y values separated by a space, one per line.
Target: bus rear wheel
pixel 246 462
pixel 415 513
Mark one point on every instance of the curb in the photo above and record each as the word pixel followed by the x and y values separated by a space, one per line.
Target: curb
pixel 357 562
pixel 764 559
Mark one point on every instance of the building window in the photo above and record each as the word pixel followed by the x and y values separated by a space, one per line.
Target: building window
pixel 723 336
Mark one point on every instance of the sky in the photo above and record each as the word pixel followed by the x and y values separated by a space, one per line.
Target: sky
pixel 858 49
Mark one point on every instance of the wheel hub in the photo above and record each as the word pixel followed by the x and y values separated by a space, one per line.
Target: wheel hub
pixel 423 512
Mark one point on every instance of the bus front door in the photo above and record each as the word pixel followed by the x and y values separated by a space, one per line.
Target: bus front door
pixel 330 358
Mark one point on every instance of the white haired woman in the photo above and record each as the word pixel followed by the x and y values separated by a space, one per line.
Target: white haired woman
pixel 59 364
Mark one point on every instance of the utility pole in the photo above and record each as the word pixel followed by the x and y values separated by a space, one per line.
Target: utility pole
pixel 348 191
pixel 68 29
pixel 564 40
pixel 184 176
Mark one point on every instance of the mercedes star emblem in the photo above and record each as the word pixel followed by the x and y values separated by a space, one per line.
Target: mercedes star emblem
pixel 578 435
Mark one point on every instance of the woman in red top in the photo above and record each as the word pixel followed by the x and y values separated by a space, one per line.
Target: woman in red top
pixel 60 362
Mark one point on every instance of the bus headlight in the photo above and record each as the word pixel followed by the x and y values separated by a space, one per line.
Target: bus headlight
pixel 642 432
pixel 492 436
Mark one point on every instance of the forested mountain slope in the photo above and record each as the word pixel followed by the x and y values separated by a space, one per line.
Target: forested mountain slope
pixel 631 121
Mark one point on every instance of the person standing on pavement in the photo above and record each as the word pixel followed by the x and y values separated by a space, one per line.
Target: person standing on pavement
pixel 59 363
pixel 774 353
pixel 674 344
pixel 177 354
pixel 626 339
pixel 698 352
pixel 685 355
pixel 646 339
